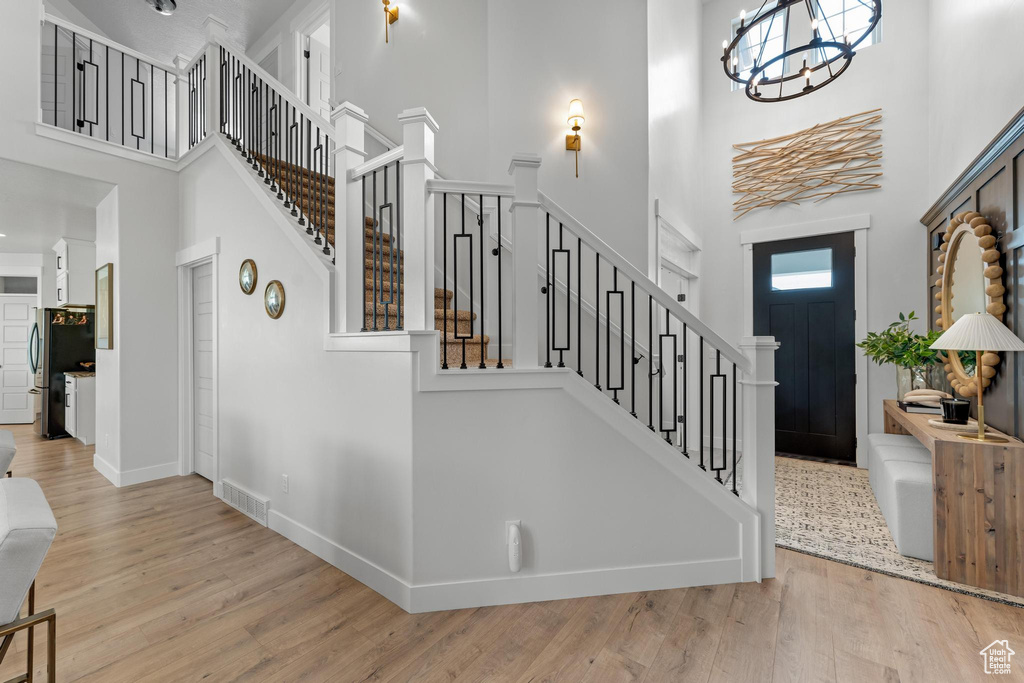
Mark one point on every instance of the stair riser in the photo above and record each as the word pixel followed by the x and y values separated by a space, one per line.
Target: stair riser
pixel 455 355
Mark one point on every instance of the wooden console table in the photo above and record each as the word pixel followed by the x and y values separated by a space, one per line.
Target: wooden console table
pixel 978 493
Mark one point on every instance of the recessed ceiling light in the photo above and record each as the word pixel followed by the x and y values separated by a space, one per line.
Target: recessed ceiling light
pixel 164 7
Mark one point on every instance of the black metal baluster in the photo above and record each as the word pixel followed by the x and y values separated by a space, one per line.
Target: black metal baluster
pixel 718 375
pixel 701 428
pixel 650 362
pixel 74 78
pixel 547 291
pixel 327 184
pixel 734 392
pixel 597 320
pixel 379 214
pixel 497 252
pixel 579 306
pixel 632 348
pixel 316 182
pixel 663 374
pixel 306 183
pixel 286 174
pixel 398 235
pixel 106 67
pixel 686 378
pixel 615 387
pixel 362 202
pixel 444 280
pixel 463 366
pixel 562 348
pixel 152 110
pixel 483 288
pixel 56 46
pixel 373 255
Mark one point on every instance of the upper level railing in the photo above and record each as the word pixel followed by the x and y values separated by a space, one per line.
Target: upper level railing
pixel 97 88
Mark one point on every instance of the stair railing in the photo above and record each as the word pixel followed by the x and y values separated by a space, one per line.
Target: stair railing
pixel 289 145
pixel 98 88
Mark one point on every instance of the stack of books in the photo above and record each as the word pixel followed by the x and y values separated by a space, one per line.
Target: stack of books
pixel 923 401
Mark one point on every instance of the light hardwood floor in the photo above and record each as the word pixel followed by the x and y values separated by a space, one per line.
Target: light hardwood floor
pixel 162 582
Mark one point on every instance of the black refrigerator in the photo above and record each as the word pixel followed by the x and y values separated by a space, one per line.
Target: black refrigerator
pixel 61 341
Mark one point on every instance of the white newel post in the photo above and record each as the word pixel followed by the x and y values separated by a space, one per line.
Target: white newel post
pixel 527 227
pixel 418 131
pixel 349 221
pixel 216 32
pixel 758 463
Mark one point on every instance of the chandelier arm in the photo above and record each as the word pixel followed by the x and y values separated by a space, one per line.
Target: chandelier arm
pixel 764 43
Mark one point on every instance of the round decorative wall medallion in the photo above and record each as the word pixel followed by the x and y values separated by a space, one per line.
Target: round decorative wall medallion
pixel 971 282
pixel 247 276
pixel 273 299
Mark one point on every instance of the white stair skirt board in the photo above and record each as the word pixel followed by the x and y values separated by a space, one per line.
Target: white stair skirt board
pixel 132 477
pixel 507 590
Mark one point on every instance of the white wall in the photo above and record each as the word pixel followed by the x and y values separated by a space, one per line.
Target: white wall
pixel 498 77
pixel 147 210
pixel 886 75
pixel 284 35
pixel 675 56
pixel 339 425
pixel 108 361
pixel 975 68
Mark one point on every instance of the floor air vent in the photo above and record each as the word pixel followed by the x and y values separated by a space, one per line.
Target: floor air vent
pixel 245 502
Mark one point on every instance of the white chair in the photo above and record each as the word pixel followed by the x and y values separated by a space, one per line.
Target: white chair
pixel 27 528
pixel 7 451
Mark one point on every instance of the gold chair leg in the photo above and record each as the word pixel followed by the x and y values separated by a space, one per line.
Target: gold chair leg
pixel 31 631
pixel 28 624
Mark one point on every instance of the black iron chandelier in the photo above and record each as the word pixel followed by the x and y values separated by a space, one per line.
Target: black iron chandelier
pixel 769 77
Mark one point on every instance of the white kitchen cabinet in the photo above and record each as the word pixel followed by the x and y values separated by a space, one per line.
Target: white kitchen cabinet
pixel 76 272
pixel 80 406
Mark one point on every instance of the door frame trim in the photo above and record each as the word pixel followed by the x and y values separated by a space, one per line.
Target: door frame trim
pixel 859 226
pixel 186 260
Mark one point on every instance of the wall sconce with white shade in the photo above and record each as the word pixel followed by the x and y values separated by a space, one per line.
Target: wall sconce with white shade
pixel 390 17
pixel 576 119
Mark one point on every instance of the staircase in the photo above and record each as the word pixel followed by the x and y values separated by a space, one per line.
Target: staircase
pixel 311 194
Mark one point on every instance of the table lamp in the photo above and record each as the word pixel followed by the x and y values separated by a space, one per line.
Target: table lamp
pixel 979 332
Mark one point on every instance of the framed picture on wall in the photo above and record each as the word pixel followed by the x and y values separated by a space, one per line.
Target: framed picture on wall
pixel 105 307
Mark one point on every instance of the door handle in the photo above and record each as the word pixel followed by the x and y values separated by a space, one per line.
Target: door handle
pixel 67 400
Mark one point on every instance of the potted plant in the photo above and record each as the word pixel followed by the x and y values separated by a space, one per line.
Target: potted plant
pixel 917 365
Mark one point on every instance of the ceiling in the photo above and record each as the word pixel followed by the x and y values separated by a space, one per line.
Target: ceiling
pixel 135 24
pixel 39 206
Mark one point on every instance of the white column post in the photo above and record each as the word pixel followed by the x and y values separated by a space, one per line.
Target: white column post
pixel 527 226
pixel 418 131
pixel 758 463
pixel 216 32
pixel 349 221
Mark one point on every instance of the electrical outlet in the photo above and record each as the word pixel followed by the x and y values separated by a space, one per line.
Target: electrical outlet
pixel 510 523
pixel 284 483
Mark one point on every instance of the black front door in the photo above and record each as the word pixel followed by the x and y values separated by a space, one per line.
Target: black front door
pixel 804 297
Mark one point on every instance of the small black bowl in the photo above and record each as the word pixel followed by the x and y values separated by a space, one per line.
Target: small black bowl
pixel 955 410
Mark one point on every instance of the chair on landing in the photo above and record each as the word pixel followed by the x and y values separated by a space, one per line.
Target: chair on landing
pixel 7 451
pixel 27 528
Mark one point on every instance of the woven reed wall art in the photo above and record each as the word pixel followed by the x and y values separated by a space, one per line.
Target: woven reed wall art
pixel 828 159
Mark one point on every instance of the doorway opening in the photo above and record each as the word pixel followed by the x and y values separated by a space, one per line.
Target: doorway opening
pixel 804 296
pixel 197 291
pixel 316 69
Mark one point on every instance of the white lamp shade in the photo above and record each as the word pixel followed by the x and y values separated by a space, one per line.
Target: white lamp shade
pixel 978 332
pixel 576 113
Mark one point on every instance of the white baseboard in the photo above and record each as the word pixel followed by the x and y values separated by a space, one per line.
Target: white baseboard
pixel 132 477
pixel 539 588
pixel 507 590
pixel 106 469
pixel 391 587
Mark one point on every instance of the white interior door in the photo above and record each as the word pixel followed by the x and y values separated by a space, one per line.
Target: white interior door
pixel 318 71
pixel 16 405
pixel 203 404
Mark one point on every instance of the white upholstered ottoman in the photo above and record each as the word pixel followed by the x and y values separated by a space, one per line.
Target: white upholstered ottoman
pixel 900 470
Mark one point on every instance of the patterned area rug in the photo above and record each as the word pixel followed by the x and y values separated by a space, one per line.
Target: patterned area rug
pixel 830 511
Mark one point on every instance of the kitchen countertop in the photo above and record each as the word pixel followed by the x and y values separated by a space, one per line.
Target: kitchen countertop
pixel 80 373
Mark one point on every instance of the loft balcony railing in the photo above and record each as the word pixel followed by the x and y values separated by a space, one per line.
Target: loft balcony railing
pixel 109 92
